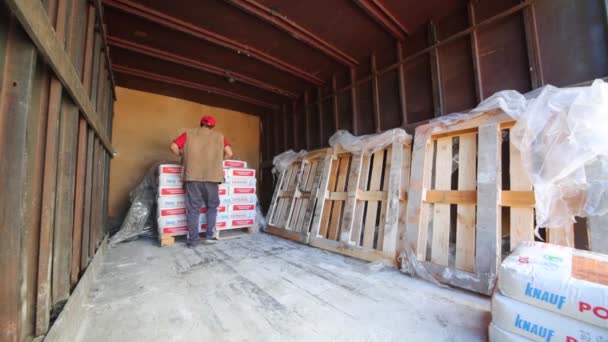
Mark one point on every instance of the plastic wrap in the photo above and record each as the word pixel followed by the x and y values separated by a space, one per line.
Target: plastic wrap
pixel 561 134
pixel 139 220
pixel 410 265
pixel 260 219
pixel 282 161
pixel 368 144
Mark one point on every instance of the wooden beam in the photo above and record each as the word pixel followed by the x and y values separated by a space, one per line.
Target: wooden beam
pixel 335 103
pixel 375 93
pixel 307 119
pixel 192 85
pixel 517 199
pixel 450 197
pixel 435 71
pixel 321 123
pixel 353 100
pixel 383 17
pixel 196 64
pixel 33 17
pixel 152 15
pixel 296 31
pixel 402 89
pixel 534 59
pixel 105 49
pixel 475 53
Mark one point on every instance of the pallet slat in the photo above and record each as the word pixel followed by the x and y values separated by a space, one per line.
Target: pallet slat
pixel 465 217
pixel 440 248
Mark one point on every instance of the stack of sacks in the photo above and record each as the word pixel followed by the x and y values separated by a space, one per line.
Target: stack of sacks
pixel 547 292
pixel 242 192
pixel 234 211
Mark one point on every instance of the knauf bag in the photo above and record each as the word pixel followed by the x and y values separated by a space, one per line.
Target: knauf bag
pixel 540 325
pixel 560 279
pixel 499 335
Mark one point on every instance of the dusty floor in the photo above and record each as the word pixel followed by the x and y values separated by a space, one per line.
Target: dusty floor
pixel 263 288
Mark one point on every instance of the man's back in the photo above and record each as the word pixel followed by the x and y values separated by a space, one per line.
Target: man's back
pixel 203 155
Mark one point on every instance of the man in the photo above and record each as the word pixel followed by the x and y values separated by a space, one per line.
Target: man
pixel 202 150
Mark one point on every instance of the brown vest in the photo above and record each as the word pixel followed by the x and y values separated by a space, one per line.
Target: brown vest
pixel 203 155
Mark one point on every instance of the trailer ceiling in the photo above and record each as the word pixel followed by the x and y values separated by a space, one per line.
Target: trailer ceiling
pixel 254 55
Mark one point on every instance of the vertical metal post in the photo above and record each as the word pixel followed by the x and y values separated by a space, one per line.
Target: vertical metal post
pixel 402 91
pixel 294 124
pixel 353 99
pixel 321 123
pixel 536 70
pixel 475 53
pixel 334 89
pixel 375 93
pixel 285 128
pixel 435 71
pixel 307 119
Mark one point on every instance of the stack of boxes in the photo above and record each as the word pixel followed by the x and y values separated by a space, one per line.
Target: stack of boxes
pixel 237 199
pixel 547 292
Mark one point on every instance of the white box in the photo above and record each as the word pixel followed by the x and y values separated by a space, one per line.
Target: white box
pixel 241 181
pixel 220 217
pixel 240 172
pixel 221 209
pixel 243 199
pixel 170 180
pixel 241 223
pixel 234 164
pixel 560 279
pixel 223 190
pixel 170 191
pixel 499 335
pixel 242 215
pixel 170 202
pixel 541 325
pixel 172 221
pixel 241 207
pixel 171 212
pixel 242 190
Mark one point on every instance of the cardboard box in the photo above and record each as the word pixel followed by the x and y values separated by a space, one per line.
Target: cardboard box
pixel 241 181
pixel 170 191
pixel 171 212
pixel 170 181
pixel 172 221
pixel 223 190
pixel 242 190
pixel 560 279
pixel 222 208
pixel 168 202
pixel 242 215
pixel 234 164
pixel 241 207
pixel 241 223
pixel 540 325
pixel 241 173
pixel 243 199
pixel 499 335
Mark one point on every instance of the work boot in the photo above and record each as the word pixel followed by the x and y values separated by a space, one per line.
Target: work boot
pixel 210 241
pixel 193 244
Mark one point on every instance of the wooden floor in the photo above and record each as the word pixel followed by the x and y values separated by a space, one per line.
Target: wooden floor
pixel 263 288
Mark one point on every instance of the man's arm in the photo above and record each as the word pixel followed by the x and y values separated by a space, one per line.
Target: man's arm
pixel 175 149
pixel 228 152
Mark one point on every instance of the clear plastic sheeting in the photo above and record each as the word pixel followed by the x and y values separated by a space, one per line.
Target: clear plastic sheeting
pixel 139 220
pixel 260 219
pixel 562 134
pixel 410 265
pixel 368 144
pixel 282 161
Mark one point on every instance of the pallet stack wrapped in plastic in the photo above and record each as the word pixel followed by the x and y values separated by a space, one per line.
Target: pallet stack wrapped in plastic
pixel 237 194
pixel 547 292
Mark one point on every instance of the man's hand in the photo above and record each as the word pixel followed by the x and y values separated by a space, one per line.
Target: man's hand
pixel 175 149
pixel 228 152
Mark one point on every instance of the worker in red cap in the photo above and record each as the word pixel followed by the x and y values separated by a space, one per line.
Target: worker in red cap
pixel 203 150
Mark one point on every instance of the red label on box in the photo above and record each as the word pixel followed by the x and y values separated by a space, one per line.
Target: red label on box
pixel 243 173
pixel 171 169
pixel 177 211
pixel 172 191
pixel 241 191
pixel 222 192
pixel 248 222
pixel 234 163
pixel 174 230
pixel 243 207
pixel 220 209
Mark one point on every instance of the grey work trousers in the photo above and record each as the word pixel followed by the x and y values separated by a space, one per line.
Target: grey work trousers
pixel 197 195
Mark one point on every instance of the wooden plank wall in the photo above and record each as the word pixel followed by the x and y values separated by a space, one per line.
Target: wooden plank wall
pixel 54 156
pixel 483 47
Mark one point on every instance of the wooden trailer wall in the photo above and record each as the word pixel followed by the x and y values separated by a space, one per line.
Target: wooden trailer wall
pixel 448 66
pixel 56 99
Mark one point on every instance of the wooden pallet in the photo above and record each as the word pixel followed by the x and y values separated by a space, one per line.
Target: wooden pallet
pixel 294 197
pixel 223 234
pixel 455 218
pixel 361 202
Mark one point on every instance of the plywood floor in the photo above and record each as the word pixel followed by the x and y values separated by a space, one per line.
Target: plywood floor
pixel 263 288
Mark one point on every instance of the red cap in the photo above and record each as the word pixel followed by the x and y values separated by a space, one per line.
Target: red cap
pixel 208 120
